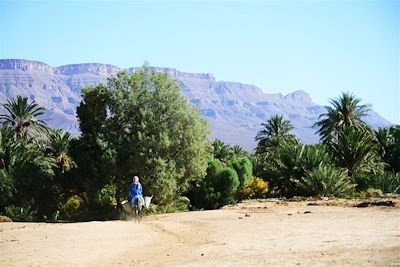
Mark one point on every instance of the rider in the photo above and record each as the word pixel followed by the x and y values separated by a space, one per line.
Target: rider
pixel 136 192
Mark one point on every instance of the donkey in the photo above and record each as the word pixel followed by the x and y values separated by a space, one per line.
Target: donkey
pixel 136 209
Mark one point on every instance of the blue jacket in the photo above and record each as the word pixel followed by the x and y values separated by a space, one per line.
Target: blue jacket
pixel 136 192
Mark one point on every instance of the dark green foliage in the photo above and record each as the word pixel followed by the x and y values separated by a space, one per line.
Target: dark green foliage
pixel 25 213
pixel 7 189
pixel 59 143
pixel 326 181
pixel 291 163
pixel 218 187
pixel 107 195
pixel 388 140
pixel 28 166
pixel 387 182
pixel 355 150
pixel 32 173
pixel 226 183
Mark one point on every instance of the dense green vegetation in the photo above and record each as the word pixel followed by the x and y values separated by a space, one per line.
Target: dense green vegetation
pixel 141 125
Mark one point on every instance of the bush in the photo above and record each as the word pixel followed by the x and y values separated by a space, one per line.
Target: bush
pixel 243 168
pixel 6 188
pixel 256 188
pixel 326 181
pixel 179 205
pixel 387 182
pixel 21 214
pixel 106 196
pixel 217 189
pixel 372 192
pixel 72 207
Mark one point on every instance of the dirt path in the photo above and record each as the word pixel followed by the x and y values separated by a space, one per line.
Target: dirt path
pixel 253 233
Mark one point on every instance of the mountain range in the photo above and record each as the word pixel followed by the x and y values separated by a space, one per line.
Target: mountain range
pixel 233 110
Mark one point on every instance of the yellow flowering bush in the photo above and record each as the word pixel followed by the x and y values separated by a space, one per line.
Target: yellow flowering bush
pixel 255 188
pixel 72 207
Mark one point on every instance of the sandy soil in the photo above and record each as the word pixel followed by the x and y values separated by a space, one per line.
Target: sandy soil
pixel 254 233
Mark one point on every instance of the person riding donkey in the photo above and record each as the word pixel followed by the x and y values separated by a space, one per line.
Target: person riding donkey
pixel 136 193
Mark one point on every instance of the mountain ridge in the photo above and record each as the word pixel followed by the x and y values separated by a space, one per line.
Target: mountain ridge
pixel 234 110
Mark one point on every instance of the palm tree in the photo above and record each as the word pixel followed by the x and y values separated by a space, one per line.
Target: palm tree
pixel 388 140
pixel 276 132
pixel 22 117
pixel 345 111
pixel 221 151
pixel 59 142
pixel 355 150
pixel 238 151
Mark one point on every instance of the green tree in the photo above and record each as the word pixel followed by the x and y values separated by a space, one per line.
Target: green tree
pixel 145 127
pixel 23 117
pixel 239 152
pixel 355 150
pixel 59 142
pixel 219 186
pixel 26 169
pixel 346 111
pixel 388 140
pixel 276 132
pixel 222 151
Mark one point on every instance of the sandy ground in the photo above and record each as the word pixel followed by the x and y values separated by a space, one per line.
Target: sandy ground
pixel 254 233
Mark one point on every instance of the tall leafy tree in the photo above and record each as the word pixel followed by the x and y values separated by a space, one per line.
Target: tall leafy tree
pixel 346 111
pixel 276 132
pixel 23 117
pixel 59 142
pixel 144 127
pixel 238 151
pixel 222 151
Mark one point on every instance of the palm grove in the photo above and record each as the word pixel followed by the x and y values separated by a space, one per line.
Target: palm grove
pixel 140 124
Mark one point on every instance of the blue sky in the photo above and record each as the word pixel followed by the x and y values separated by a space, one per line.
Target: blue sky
pixel 321 47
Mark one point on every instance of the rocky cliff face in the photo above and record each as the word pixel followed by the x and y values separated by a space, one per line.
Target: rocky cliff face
pixel 233 110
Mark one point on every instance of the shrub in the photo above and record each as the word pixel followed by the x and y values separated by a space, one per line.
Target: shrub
pixel 6 188
pixel 219 189
pixel 372 192
pixel 106 196
pixel 243 168
pixel 21 214
pixel 326 181
pixel 256 188
pixel 178 205
pixel 387 182
pixel 72 207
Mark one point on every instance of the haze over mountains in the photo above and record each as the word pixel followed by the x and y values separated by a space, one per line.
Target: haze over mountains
pixel 234 110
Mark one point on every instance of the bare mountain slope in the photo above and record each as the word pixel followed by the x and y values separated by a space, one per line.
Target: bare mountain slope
pixel 233 110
